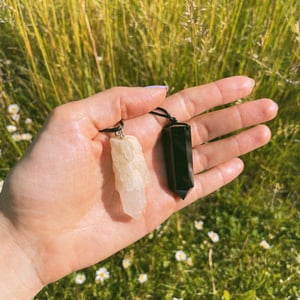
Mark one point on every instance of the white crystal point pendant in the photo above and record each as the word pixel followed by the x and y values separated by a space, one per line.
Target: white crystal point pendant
pixel 131 174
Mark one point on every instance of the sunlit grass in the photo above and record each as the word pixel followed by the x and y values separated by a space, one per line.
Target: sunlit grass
pixel 54 51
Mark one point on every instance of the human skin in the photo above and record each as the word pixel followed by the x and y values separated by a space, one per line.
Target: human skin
pixel 59 208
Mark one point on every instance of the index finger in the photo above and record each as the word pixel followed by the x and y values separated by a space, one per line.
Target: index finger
pixel 190 102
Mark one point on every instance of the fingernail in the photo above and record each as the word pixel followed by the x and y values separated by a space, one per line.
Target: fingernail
pixel 157 87
pixel 273 108
pixel 250 83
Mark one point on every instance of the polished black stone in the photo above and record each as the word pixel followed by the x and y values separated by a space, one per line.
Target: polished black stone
pixel 178 157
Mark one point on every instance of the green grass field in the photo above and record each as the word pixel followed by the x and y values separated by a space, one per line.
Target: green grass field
pixel 54 51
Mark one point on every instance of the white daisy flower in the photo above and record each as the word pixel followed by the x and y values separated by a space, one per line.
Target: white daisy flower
pixel 16 137
pixel 11 128
pixel 264 244
pixel 26 137
pixel 126 263
pixel 102 274
pixel 199 225
pixel 28 121
pixel 13 109
pixel 213 236
pixel 180 255
pixel 142 278
pixel 189 261
pixel 80 278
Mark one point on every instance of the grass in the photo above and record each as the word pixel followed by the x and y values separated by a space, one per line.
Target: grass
pixel 54 51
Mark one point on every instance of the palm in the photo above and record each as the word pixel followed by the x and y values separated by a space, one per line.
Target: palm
pixel 71 206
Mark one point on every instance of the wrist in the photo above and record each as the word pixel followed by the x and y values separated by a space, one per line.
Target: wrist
pixel 18 276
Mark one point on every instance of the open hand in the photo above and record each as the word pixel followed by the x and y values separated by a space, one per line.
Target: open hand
pixel 60 201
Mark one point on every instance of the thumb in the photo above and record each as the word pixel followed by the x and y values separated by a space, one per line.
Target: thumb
pixel 107 108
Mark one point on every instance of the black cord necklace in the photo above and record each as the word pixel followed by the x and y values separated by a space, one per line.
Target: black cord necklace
pixel 177 144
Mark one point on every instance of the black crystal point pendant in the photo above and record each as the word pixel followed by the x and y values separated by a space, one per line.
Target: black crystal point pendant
pixel 178 156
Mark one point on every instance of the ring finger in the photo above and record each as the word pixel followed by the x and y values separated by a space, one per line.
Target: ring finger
pixel 212 154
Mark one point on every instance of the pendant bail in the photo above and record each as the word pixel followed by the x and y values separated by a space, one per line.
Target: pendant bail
pixel 120 133
pixel 118 130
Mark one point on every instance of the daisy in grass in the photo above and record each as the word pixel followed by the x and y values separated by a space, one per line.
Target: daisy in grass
pixel 213 236
pixel 28 121
pixel 264 244
pixel 80 278
pixel 13 109
pixel 126 263
pixel 189 261
pixel 26 136
pixel 101 275
pixel 142 278
pixel 11 128
pixel 17 137
pixel 198 225
pixel 180 255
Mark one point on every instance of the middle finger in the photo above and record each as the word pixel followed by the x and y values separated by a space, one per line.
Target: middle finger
pixel 218 123
pixel 209 155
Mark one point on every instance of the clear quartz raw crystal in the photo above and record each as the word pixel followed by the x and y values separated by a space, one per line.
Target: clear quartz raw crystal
pixel 131 174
